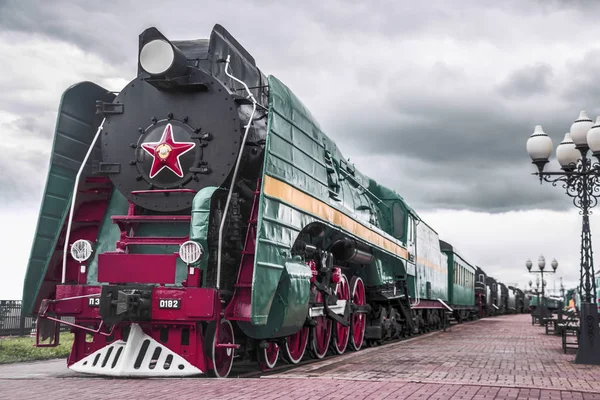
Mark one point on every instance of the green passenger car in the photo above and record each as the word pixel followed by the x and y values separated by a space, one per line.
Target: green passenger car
pixel 461 283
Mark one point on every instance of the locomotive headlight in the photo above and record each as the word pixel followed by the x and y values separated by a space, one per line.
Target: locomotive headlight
pixel 81 250
pixel 190 252
pixel 157 56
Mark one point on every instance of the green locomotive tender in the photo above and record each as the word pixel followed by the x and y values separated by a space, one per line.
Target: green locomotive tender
pixel 194 239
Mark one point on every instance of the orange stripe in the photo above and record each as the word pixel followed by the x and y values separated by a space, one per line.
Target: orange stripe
pixel 432 265
pixel 288 194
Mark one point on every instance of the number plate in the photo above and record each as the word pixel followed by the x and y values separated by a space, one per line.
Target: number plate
pixel 173 304
pixel 94 301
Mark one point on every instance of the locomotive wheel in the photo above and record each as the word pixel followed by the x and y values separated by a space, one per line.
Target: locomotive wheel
pixel 321 333
pixel 340 341
pixel 268 356
pixel 359 320
pixel 295 346
pixel 220 357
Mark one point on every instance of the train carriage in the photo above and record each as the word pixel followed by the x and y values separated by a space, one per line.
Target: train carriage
pixel 502 298
pixel 492 296
pixel 461 283
pixel 512 300
pixel 481 292
pixel 519 301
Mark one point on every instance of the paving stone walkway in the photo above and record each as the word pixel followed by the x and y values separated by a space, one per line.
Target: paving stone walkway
pixel 503 351
pixel 497 358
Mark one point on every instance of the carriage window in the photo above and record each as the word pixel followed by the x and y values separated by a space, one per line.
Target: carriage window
pixel 398 215
pixel 455 273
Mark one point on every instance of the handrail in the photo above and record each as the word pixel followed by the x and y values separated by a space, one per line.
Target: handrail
pixel 445 305
pixel 46 305
pixel 235 171
pixel 74 197
pixel 137 192
pixel 377 199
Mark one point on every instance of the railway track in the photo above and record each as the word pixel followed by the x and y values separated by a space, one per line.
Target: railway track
pixel 250 369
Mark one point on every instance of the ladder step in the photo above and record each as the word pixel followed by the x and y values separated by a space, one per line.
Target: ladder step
pixel 153 240
pixel 151 218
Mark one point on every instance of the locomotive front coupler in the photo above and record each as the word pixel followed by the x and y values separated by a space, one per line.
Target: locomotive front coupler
pixel 125 303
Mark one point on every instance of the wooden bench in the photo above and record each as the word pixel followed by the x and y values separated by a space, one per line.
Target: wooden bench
pixel 551 325
pixel 567 333
pixel 569 328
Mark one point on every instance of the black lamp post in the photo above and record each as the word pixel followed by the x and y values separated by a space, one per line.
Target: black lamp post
pixel 542 265
pixel 562 300
pixel 580 177
pixel 536 291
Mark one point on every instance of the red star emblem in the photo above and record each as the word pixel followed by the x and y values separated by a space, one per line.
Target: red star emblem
pixel 166 153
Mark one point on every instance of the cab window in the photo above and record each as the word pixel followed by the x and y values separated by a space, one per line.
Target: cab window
pixel 398 215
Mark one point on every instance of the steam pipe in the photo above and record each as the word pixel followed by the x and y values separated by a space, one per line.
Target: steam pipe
pixel 350 250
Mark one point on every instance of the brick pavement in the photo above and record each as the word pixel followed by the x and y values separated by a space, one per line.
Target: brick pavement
pixel 497 358
pixel 501 352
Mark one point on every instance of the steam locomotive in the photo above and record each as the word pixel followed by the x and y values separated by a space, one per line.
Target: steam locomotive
pixel 201 215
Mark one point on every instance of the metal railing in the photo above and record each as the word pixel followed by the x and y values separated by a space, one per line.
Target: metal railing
pixel 14 323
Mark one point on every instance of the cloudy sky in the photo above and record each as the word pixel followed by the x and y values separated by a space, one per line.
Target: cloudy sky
pixel 435 101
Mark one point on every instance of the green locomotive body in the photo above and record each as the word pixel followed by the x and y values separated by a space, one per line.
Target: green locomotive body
pixel 296 251
pixel 311 194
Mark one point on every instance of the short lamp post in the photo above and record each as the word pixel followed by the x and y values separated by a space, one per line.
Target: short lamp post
pixel 580 177
pixel 542 313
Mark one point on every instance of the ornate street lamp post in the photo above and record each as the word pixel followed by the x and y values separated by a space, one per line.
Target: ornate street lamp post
pixel 541 312
pixel 581 180
pixel 562 299
pixel 536 291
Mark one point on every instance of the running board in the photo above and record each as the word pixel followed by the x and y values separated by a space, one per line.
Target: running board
pixel 445 305
pixel 140 356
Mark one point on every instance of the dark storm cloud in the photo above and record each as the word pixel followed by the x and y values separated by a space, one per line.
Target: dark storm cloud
pixel 91 25
pixel 446 139
pixel 584 85
pixel 484 187
pixel 97 26
pixel 528 81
